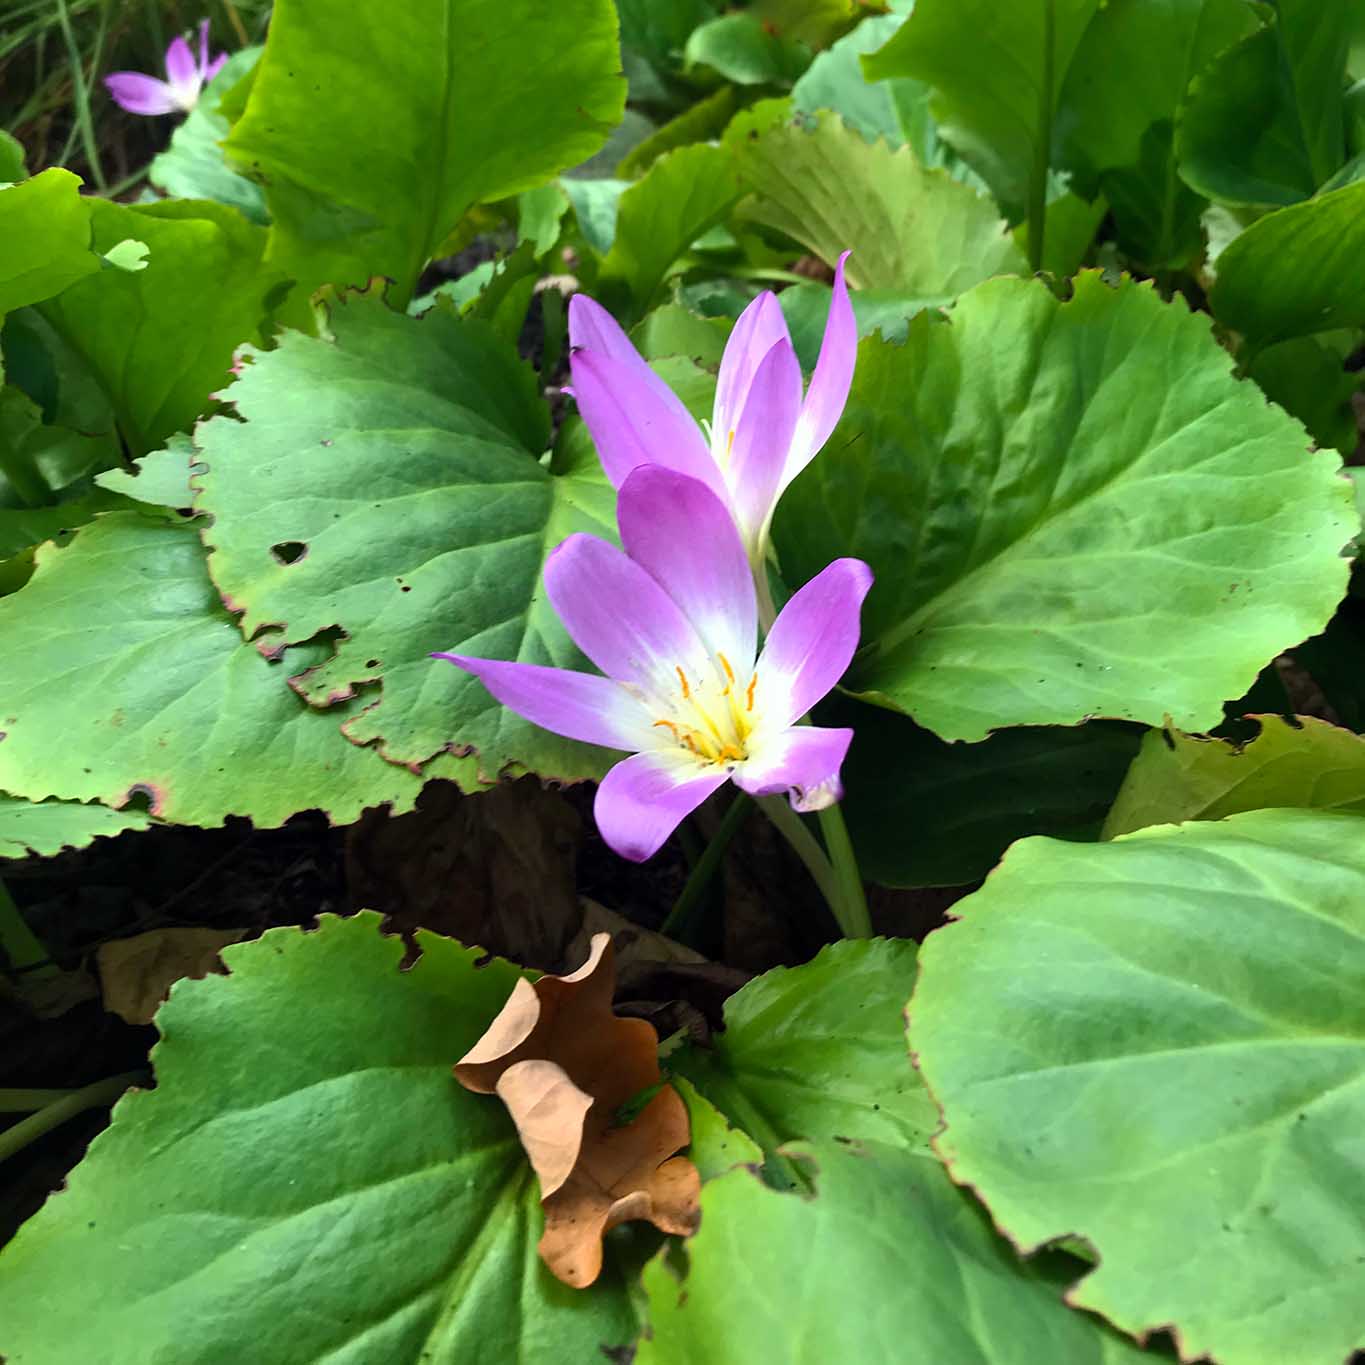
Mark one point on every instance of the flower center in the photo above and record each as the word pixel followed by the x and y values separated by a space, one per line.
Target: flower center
pixel 712 717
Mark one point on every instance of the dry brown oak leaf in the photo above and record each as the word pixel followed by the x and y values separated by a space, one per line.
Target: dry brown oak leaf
pixel 564 1064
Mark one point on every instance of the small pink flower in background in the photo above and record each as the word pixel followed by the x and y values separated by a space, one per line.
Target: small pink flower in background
pixel 185 78
pixel 763 431
pixel 672 623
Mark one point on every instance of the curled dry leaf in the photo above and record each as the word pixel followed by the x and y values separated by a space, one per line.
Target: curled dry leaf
pixel 564 1065
pixel 137 973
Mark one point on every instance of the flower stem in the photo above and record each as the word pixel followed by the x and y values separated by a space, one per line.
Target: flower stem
pixel 28 1130
pixel 680 917
pixel 20 945
pixel 852 912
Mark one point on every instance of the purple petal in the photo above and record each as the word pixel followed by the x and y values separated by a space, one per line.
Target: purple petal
pixel 764 436
pixel 830 383
pixel 643 799
pixel 803 761
pixel 620 617
pixel 181 68
pixel 635 419
pixel 677 529
pixel 215 66
pixel 140 94
pixel 579 705
pixel 203 64
pixel 812 641
pixel 757 330
pixel 592 328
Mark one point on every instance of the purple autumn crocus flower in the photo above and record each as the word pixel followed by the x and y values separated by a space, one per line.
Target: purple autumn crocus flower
pixel 185 78
pixel 763 432
pixel 672 623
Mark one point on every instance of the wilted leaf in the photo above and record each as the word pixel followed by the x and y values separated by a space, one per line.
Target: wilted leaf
pixel 136 974
pixel 564 1064
pixel 307 1178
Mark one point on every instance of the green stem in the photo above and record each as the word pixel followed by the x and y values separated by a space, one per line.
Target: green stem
pixel 28 1130
pixel 26 1101
pixel 20 944
pixel 851 912
pixel 681 915
pixel 806 847
pixel 1042 148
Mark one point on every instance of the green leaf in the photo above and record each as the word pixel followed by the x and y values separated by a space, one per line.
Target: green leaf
pixel 813 22
pixel 716 1146
pixel 1294 272
pixel 193 166
pixel 885 1254
pixel 819 1051
pixel 12 167
pixel 1265 123
pixel 45 226
pixel 595 205
pixel 308 1176
pixel 375 138
pixel 682 195
pixel 43 829
pixel 674 331
pixel 996 71
pixel 38 460
pixel 1165 1048
pixel 539 212
pixel 739 48
pixel 23 527
pixel 125 676
pixel 161 479
pixel 835 81
pixel 1304 763
pixel 806 309
pixel 832 191
pixel 925 813
pixel 1307 376
pixel 699 122
pixel 442 552
pixel 1071 510
pixel 160 340
pixel 1117 113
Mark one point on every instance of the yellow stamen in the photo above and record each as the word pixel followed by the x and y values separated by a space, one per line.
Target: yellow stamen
pixel 749 692
pixel 725 664
pixel 682 678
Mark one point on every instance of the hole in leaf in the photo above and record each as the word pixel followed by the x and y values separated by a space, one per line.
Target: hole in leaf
pixel 289 551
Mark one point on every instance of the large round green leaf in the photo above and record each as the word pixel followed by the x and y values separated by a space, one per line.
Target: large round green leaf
pixel 911 229
pixel 996 71
pixel 1294 272
pixel 885 1262
pixel 1158 1044
pixel 819 1051
pixel 47 827
pixel 1187 777
pixel 1072 510
pixel 307 1183
pixel 385 481
pixel 45 225
pixel 124 675
pixel 1116 120
pixel 160 339
pixel 375 129
pixel 925 813
pixel 1265 124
